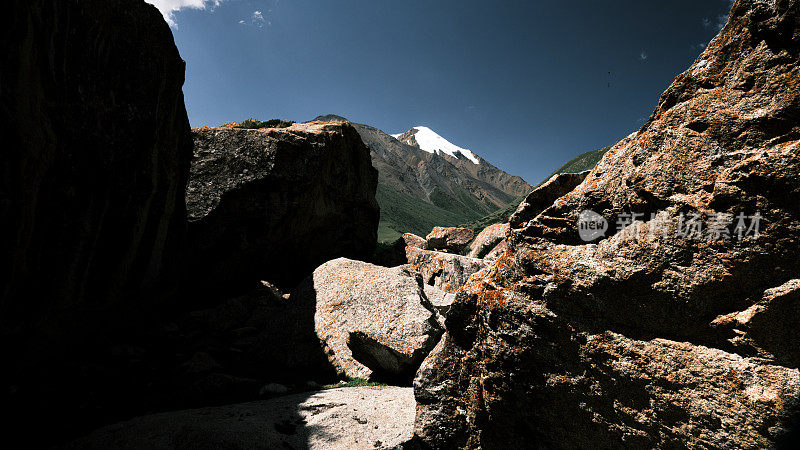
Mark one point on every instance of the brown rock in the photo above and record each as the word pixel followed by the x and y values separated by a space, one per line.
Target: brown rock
pixel 371 319
pixel 487 240
pixel 451 239
pixel 649 340
pixel 545 195
pixel 273 204
pixel 414 241
pixel 445 271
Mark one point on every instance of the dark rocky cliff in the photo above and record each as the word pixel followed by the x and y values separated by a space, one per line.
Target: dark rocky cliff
pixel 273 204
pixel 646 338
pixel 96 150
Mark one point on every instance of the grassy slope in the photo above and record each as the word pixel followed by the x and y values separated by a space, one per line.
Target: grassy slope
pixel 584 161
pixel 401 213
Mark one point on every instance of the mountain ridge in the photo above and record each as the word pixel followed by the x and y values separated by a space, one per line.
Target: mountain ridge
pixel 419 189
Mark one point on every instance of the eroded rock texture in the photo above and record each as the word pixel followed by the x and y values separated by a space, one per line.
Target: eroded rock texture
pixel 273 204
pixel 648 340
pixel 96 149
pixel 445 271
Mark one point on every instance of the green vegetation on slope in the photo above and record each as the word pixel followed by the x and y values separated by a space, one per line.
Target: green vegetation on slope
pixel 499 216
pixel 584 161
pixel 254 124
pixel 401 213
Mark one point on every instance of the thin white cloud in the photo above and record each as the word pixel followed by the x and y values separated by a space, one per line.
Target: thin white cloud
pixel 169 7
pixel 643 56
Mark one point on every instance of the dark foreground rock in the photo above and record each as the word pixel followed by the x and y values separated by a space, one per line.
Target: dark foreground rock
pixel 374 321
pixel 648 338
pixel 96 149
pixel 343 418
pixel 273 204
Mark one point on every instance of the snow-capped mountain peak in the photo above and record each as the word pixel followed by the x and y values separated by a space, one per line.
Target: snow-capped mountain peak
pixel 427 140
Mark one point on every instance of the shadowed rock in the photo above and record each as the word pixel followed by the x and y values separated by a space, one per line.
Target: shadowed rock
pixel 96 149
pixel 273 204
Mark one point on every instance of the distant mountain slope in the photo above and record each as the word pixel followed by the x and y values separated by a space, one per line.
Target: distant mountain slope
pixel 584 161
pixel 419 188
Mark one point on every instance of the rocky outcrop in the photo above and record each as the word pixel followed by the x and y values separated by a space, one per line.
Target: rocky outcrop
pixel 545 195
pixel 653 335
pixel 445 271
pixel 373 321
pixel 96 148
pixel 343 418
pixel 273 204
pixel 487 240
pixel 451 239
pixel 440 299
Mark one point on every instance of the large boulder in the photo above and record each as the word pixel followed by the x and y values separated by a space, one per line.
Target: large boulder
pixel 273 204
pixel 96 150
pixel 450 239
pixel 374 321
pixel 487 240
pixel 545 195
pixel 445 271
pixel 343 418
pixel 651 335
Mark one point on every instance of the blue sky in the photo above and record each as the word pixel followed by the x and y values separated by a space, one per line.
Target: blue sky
pixel 525 84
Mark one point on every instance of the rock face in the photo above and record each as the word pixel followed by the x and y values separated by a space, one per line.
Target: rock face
pixel 96 149
pixel 273 204
pixel 445 271
pixel 374 321
pixel 545 195
pixel 452 239
pixel 487 240
pixel 343 418
pixel 651 339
